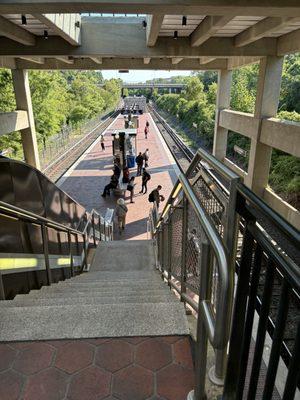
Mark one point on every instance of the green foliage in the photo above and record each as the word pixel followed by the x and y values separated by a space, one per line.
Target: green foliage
pixel 58 97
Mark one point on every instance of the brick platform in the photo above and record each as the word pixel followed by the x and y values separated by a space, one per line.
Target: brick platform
pixel 86 180
pixel 112 369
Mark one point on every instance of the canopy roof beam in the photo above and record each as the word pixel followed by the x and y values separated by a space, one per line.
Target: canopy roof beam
pixel 14 32
pixel 208 27
pixel 261 29
pixel 154 23
pixel 274 8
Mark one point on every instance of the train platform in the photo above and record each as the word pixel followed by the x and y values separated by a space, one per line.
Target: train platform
pixel 85 180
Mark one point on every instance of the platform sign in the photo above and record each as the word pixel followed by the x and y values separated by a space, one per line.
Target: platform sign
pixel 240 151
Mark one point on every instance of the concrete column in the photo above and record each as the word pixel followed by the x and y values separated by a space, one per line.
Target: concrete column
pixel 223 101
pixel 170 90
pixel 23 101
pixel 267 99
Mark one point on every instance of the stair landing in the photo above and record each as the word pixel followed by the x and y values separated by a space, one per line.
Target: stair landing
pixel 136 368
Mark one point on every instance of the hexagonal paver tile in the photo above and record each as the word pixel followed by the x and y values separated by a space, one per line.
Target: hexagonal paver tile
pixel 97 342
pixel 74 356
pixel 7 356
pixel 10 385
pixel 175 382
pixel 34 358
pixel 46 385
pixel 57 343
pixel 90 384
pixel 183 354
pixel 135 340
pixel 169 339
pixel 20 345
pixel 114 355
pixel 133 383
pixel 153 354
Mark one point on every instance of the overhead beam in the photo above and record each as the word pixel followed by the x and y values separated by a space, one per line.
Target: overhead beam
pixel 289 43
pixel 237 62
pixel 14 32
pixel 126 63
pixel 13 121
pixel 208 27
pixel 277 8
pixel 206 60
pixel 66 26
pixel 97 60
pixel 154 23
pixel 261 29
pixel 147 60
pixel 33 59
pixel 176 60
pixel 65 59
pixel 128 40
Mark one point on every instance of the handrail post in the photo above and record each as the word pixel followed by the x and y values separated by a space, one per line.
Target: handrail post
pixel 70 252
pixel 84 251
pixel 204 263
pixel 94 230
pixel 46 253
pixel 2 291
pixel 170 233
pixel 99 227
pixel 183 248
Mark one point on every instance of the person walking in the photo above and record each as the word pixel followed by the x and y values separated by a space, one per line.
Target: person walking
pixel 146 130
pixel 130 188
pixel 139 162
pixel 102 143
pixel 145 179
pixel 155 197
pixel 146 157
pixel 120 212
pixel 114 181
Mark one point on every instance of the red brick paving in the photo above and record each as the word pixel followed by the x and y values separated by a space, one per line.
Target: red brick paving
pixel 86 182
pixel 138 368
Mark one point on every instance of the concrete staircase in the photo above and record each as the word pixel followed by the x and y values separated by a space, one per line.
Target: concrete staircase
pixel 122 295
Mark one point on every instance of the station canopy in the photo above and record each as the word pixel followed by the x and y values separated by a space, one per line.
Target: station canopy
pixel 146 34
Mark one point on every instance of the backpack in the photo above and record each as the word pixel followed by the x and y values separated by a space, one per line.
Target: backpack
pixel 151 197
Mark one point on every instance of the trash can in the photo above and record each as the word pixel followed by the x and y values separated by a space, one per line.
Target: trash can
pixel 130 161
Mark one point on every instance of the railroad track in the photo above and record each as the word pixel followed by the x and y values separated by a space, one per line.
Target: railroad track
pixel 59 166
pixel 183 156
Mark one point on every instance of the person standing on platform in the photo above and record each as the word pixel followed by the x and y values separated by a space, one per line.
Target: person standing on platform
pixel 146 157
pixel 145 179
pixel 155 197
pixel 112 185
pixel 102 143
pixel 139 162
pixel 120 212
pixel 125 175
pixel 130 188
pixel 147 124
pixel 146 130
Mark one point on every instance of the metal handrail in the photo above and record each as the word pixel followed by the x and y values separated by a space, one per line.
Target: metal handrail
pixel 217 327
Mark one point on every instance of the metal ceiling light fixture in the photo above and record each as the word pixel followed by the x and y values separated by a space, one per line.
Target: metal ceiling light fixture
pixel 144 23
pixel 46 36
pixel 175 35
pixel 184 20
pixel 23 20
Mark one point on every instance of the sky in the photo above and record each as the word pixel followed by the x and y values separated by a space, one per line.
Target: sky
pixel 142 75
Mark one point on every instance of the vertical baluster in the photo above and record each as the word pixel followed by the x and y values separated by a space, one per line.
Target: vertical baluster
pixel 46 253
pixel 94 230
pixel 2 291
pixel 70 253
pixel 294 370
pixel 184 243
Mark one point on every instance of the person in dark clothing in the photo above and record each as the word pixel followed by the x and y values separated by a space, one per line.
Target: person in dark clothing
pixel 102 143
pixel 125 175
pixel 155 197
pixel 146 130
pixel 117 170
pixel 139 161
pixel 145 179
pixel 112 185
pixel 147 124
pixel 130 188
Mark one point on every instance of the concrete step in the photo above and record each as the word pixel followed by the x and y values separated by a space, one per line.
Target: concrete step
pixel 93 293
pixel 91 321
pixel 124 255
pixel 94 285
pixel 26 301
pixel 116 276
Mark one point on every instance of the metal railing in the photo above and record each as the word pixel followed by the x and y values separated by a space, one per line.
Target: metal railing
pixel 96 228
pixel 213 252
pixel 194 241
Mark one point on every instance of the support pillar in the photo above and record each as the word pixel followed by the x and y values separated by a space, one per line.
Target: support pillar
pixel 223 101
pixel 23 102
pixel 267 99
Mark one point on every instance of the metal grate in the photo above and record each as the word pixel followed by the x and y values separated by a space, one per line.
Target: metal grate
pixel 176 254
pixel 210 203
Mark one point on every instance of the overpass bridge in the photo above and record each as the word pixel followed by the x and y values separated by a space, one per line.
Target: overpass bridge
pixel 171 87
